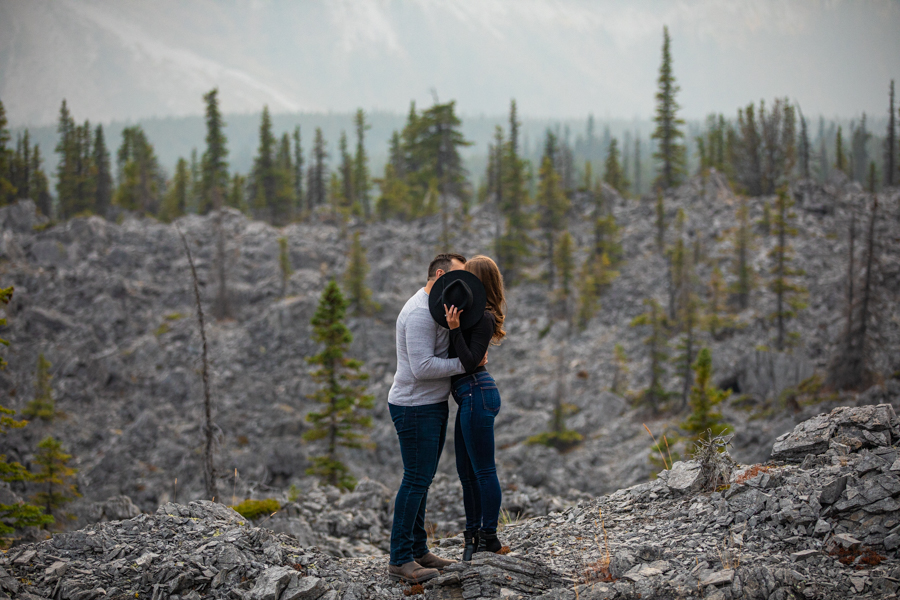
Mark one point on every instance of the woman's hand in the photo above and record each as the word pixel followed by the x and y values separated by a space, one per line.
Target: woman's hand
pixel 452 314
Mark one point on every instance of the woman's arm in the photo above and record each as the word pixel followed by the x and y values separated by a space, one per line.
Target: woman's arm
pixel 472 354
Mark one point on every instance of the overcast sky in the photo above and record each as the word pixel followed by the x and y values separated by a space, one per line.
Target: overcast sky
pixel 129 59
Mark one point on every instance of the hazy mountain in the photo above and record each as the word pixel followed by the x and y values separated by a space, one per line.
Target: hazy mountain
pixel 130 59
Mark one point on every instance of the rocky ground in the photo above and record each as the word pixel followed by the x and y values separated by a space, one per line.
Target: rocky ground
pixel 110 306
pixel 821 520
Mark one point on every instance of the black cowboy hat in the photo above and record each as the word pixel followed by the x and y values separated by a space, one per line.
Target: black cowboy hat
pixel 460 289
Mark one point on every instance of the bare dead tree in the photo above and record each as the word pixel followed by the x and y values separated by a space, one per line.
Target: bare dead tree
pixel 209 470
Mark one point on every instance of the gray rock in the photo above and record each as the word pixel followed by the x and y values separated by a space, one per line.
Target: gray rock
pixel 303 588
pixel 271 582
pixel 684 476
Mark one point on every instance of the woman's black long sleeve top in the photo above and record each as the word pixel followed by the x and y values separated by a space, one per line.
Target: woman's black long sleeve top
pixel 471 345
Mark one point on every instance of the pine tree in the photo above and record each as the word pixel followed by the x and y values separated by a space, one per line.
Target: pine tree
pixel 552 207
pixel 284 263
pixel 890 143
pixel 637 166
pixel 318 172
pixel 104 183
pixel 859 155
pixel 677 257
pixel 263 176
pixel 670 153
pixel 804 149
pixel 40 187
pixel 141 183
pixel 690 318
pixel 214 166
pixel 18 515
pixel 75 185
pixel 7 189
pixel 514 245
pixel 850 367
pixel 654 318
pixel 620 374
pixel 359 296
pixel 21 165
pixel 361 181
pixel 195 190
pixel 42 406
pixel 840 158
pixel 742 268
pixel 704 398
pixel 717 320
pixel 284 201
pixel 348 187
pixel 614 174
pixel 394 201
pixel 342 398
pixel 595 276
pixel 788 294
pixel 174 203
pixel 660 222
pixel 872 181
pixel 54 476
pixel 299 198
pixel 237 194
pixel 762 151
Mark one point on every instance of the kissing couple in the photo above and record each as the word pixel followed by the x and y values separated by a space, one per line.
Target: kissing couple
pixel 443 334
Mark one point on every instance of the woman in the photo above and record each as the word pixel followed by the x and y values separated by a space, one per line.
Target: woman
pixel 479 402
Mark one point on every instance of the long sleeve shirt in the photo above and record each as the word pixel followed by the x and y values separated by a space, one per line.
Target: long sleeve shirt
pixel 472 344
pixel 423 369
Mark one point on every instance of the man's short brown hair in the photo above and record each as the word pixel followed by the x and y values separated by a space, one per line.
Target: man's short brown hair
pixel 444 262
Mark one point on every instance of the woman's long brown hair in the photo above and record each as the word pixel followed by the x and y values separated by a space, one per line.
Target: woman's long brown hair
pixel 486 270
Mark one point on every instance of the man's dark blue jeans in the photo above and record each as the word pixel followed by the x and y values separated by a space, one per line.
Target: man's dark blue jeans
pixel 422 431
pixel 479 402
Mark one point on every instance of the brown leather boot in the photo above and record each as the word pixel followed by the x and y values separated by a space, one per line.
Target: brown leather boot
pixel 411 572
pixel 431 561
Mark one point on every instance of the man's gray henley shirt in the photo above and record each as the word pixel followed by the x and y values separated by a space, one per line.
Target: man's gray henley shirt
pixel 423 369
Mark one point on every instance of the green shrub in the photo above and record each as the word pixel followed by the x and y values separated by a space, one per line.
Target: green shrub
pixel 561 440
pixel 254 509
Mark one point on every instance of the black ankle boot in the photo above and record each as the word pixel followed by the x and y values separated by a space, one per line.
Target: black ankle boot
pixel 488 542
pixel 472 539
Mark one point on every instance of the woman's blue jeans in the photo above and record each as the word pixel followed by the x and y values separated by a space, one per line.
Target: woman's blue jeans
pixel 422 431
pixel 479 402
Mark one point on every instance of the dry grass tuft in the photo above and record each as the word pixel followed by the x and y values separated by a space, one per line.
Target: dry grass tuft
pixel 503 550
pixel 414 590
pixel 858 558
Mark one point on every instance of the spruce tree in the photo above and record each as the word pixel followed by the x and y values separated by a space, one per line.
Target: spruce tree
pixel 614 175
pixel 804 150
pixel 54 476
pixel 717 320
pixel 18 515
pixel 284 200
pixel 42 406
pixel 348 188
pixel 670 152
pixel 7 189
pixel 359 296
pixel 21 165
pixel 174 203
pixel 361 181
pixel 742 268
pixel 263 176
pixel 284 263
pixel 552 206
pixel 655 319
pixel 705 396
pixel 299 198
pixel 66 166
pixel 318 172
pixel 788 294
pixel 195 190
pixel 840 157
pixel 620 373
pixel 637 166
pixel 859 154
pixel 342 396
pixel 690 316
pixel 104 184
pixel 141 183
pixel 237 194
pixel 515 242
pixel 214 166
pixel 890 143
pixel 40 187
pixel 851 366
pixel 660 222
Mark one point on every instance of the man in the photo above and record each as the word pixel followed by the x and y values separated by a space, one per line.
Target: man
pixel 419 409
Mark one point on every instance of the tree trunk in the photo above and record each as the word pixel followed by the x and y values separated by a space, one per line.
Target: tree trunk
pixel 209 471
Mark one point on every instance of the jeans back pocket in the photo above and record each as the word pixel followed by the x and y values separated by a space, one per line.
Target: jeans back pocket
pixel 490 397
